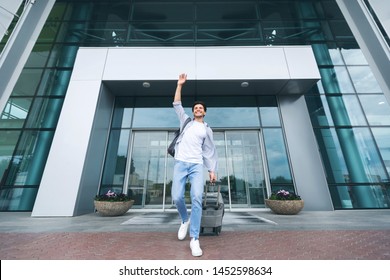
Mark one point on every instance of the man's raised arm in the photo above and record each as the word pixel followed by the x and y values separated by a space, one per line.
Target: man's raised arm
pixel 180 83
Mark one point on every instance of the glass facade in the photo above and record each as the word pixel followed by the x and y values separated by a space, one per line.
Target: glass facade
pixel 137 159
pixel 349 113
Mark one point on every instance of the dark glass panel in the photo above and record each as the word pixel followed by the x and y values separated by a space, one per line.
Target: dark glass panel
pixel 44 113
pixel 319 111
pixel 226 11
pixel 382 139
pixel 17 199
pixel 116 160
pixel 278 164
pixel 28 82
pixel 158 11
pixel 341 30
pixel 9 139
pixel 29 159
pixel 39 55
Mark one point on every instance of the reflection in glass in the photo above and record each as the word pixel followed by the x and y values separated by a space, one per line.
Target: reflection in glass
pixel 15 112
pixel 155 117
pixel 122 117
pixel 246 173
pixel 336 80
pixel 39 55
pixel 27 83
pixel 278 165
pixel 147 171
pixel 382 138
pixel 354 56
pixel 332 156
pixel 27 166
pixel 54 82
pixel 381 196
pixel 269 116
pixel 115 162
pixel 364 80
pixel 9 140
pixel 319 111
pixel 44 113
pixel 228 117
pixel 351 106
pixel 360 155
pixel 336 56
pixel 376 108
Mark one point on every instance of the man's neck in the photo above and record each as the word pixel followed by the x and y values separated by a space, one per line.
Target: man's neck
pixel 198 119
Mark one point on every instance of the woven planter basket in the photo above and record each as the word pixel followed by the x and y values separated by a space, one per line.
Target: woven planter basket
pixel 285 207
pixel 113 208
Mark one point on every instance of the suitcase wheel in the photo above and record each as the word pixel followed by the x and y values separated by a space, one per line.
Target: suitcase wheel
pixel 217 230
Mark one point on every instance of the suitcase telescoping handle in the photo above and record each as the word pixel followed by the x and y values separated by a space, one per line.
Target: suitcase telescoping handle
pixel 206 190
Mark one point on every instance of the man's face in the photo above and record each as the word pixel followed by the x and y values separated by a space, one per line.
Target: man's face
pixel 199 111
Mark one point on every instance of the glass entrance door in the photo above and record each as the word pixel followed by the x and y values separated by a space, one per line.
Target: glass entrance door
pixel 241 169
pixel 147 169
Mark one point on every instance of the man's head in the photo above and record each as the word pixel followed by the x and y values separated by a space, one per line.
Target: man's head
pixel 199 108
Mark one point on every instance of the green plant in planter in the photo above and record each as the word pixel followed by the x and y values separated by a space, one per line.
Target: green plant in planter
pixel 112 196
pixel 284 195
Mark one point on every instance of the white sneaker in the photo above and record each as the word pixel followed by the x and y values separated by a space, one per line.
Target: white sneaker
pixel 195 248
pixel 182 233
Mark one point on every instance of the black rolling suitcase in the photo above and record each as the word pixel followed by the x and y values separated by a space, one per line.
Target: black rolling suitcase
pixel 212 212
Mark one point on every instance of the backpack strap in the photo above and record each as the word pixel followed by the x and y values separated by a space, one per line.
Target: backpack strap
pixel 185 123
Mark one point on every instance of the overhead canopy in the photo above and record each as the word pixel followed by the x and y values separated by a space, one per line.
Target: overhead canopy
pixel 211 70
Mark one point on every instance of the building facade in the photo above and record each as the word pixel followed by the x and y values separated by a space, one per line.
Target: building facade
pixel 297 95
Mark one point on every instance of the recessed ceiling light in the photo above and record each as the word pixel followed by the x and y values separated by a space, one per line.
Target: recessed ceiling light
pixel 146 84
pixel 244 84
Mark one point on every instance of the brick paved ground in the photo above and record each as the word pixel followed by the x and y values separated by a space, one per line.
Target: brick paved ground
pixel 266 245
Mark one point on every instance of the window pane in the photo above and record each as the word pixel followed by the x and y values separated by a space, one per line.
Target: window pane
pixel 354 57
pixel 363 79
pixel 27 83
pixel 155 118
pixel 382 138
pixel 162 11
pixel 38 55
pixel 332 155
pixel 377 109
pixel 341 30
pixel 15 112
pixel 9 140
pixel 270 116
pixel 54 82
pixel 115 164
pixel 319 111
pixel 29 158
pixel 17 199
pixel 360 152
pixel 352 106
pixel 278 165
pixel 232 117
pixel 336 80
pixel 44 113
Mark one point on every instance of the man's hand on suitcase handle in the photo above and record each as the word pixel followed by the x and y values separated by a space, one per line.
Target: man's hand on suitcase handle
pixel 213 177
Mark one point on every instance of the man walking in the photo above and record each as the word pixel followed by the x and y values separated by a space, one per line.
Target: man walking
pixel 194 150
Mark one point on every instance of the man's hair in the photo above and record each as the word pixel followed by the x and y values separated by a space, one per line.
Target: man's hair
pixel 201 103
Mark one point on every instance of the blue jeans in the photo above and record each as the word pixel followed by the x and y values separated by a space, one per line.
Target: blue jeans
pixel 194 172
